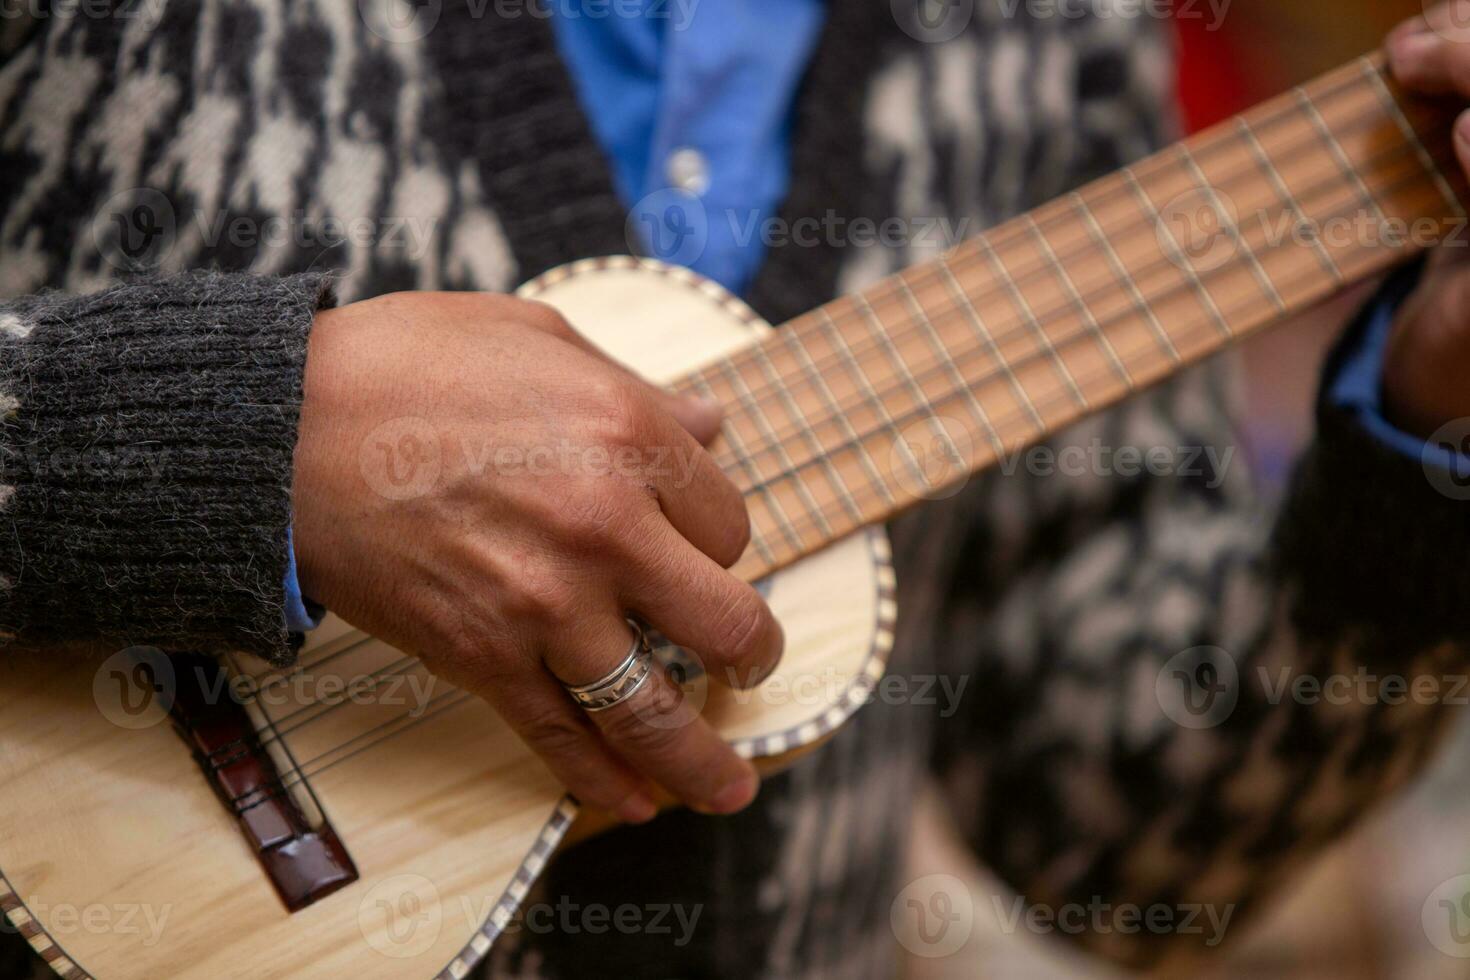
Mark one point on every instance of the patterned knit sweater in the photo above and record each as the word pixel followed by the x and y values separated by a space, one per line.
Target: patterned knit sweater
pixel 150 413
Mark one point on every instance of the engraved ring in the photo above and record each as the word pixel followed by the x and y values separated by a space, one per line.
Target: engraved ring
pixel 622 682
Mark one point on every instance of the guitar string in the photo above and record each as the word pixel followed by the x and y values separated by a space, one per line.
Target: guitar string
pixel 779 435
pixel 1107 187
pixel 868 341
pixel 304 770
pixel 899 377
pixel 1055 395
pixel 1288 111
pixel 803 524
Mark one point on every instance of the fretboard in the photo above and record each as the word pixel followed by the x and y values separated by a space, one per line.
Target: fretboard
pixel 874 402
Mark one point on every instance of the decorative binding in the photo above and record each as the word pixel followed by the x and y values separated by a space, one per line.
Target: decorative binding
pixel 304 859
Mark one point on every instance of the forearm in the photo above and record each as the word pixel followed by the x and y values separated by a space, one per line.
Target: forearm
pixel 147 456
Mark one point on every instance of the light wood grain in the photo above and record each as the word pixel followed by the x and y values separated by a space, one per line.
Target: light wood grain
pixel 440 818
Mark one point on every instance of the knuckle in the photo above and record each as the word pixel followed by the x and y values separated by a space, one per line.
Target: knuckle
pixel 544 317
pixel 543 594
pixel 596 519
pixel 742 630
pixel 621 417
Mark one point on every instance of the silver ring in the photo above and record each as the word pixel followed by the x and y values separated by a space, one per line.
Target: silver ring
pixel 622 682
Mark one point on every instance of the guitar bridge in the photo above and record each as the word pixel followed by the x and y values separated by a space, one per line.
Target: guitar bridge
pixel 281 818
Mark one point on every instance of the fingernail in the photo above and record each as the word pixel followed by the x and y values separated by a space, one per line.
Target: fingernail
pixel 735 796
pixel 1409 51
pixel 636 809
pixel 1462 130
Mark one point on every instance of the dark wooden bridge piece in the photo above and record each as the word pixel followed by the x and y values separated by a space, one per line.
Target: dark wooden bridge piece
pixel 303 857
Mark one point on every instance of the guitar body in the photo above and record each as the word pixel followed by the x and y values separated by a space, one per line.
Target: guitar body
pixel 119 860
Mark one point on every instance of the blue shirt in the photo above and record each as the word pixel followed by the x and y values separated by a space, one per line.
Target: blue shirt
pixel 694 114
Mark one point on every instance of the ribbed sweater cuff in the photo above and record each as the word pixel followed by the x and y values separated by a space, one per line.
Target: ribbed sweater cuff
pixel 145 462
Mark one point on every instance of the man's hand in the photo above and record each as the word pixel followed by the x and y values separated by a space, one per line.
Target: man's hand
pixel 1428 361
pixel 477 485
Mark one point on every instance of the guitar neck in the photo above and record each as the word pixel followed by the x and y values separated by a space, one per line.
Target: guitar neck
pixel 865 406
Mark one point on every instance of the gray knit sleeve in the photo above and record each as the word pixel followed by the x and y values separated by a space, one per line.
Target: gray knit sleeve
pixel 145 462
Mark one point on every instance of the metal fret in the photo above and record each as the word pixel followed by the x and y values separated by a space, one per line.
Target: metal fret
pixel 1228 223
pixel 792 337
pixel 839 344
pixel 1412 135
pixel 947 360
pixel 1031 321
pixel 757 483
pixel 921 401
pixel 1340 157
pixel 1263 161
pixel 1176 254
pixel 1078 302
pixel 818 452
pixel 988 339
pixel 1139 303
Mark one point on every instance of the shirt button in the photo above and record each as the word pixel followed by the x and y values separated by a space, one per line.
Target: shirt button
pixel 688 170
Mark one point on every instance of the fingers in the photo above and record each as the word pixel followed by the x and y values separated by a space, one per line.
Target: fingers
pixel 700 606
pixel 655 729
pixel 557 730
pixel 693 492
pixel 1431 54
